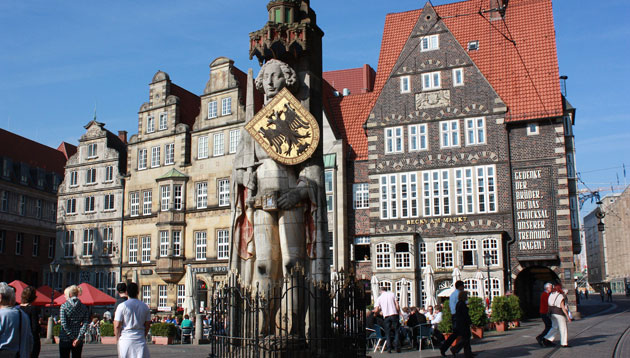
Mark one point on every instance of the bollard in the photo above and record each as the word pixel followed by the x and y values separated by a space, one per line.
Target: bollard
pixel 50 339
pixel 198 329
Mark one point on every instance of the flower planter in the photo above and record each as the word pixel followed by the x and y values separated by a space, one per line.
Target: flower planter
pixel 108 340
pixel 501 326
pixel 162 340
pixel 490 326
pixel 516 324
pixel 477 332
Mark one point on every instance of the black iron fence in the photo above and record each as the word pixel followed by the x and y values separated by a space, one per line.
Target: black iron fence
pixel 296 317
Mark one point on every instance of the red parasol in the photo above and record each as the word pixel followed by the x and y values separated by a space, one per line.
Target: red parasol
pixel 40 298
pixel 46 290
pixel 90 296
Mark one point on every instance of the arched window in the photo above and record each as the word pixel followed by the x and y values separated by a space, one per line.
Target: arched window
pixel 444 254
pixel 403 256
pixel 385 284
pixel 383 257
pixel 471 286
pixel 469 252
pixel 496 287
pixel 491 246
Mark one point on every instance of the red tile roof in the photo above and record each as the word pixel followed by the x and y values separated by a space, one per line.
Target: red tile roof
pixel 357 80
pixel 348 116
pixel 67 149
pixel 35 154
pixel 530 87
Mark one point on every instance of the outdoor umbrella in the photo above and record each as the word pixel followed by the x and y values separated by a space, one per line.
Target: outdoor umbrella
pixel 479 278
pixel 189 292
pixel 457 275
pixel 19 286
pixel 90 296
pixel 404 293
pixel 375 288
pixel 135 277
pixel 47 291
pixel 429 286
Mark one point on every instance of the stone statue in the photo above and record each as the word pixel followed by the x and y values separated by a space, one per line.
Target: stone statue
pixel 275 206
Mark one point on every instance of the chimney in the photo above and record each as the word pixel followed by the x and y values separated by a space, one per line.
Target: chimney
pixel 123 136
pixel 497 9
pixel 366 79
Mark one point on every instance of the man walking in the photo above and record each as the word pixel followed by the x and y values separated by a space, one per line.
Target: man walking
pixel 387 304
pixel 452 303
pixel 609 292
pixel 544 313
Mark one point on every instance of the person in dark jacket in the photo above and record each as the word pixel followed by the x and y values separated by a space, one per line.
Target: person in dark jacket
pixel 462 326
pixel 33 312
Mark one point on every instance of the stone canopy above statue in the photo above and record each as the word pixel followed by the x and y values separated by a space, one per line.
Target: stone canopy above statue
pixel 291 30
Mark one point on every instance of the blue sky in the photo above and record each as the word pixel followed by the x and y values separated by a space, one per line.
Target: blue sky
pixel 58 59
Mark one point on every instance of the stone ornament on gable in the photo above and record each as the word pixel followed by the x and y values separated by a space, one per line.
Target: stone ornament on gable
pixel 433 99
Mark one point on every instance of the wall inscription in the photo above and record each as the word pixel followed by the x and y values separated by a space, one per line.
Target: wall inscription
pixel 433 99
pixel 533 216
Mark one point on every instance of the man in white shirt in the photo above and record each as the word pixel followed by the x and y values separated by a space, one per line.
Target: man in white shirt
pixel 387 304
pixel 131 325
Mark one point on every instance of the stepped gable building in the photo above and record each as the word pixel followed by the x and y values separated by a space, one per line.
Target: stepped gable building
pixel 466 148
pixel 177 210
pixel 30 177
pixel 89 218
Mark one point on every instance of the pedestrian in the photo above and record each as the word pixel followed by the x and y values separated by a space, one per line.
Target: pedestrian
pixel 601 293
pixel 544 312
pixel 16 339
pixel 387 304
pixel 75 321
pixel 121 289
pixel 559 316
pixel 461 327
pixel 452 304
pixel 132 321
pixel 609 292
pixel 28 296
pixel 586 293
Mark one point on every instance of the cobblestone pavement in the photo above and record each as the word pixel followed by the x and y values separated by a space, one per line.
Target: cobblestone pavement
pixel 604 331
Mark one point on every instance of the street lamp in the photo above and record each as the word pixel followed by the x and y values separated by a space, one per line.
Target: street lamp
pixel 54 268
pixel 488 259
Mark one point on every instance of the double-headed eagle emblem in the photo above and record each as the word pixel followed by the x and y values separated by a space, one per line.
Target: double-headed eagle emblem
pixel 285 129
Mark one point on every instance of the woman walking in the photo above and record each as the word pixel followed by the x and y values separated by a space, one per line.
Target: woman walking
pixel 33 312
pixel 131 325
pixel 559 316
pixel 16 339
pixel 74 323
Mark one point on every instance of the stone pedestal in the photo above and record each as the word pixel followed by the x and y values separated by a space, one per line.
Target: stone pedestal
pixel 49 332
pixel 199 330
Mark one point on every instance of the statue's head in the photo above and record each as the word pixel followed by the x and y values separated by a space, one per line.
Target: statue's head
pixel 274 75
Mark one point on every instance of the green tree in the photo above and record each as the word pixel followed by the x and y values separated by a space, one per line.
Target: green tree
pixel 477 311
pixel 500 309
pixel 446 326
pixel 514 305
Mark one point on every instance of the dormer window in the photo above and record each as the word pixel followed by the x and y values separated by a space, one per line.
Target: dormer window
pixel 212 109
pixel 163 121
pixel 429 43
pixel 92 150
pixel 150 124
pixel 473 45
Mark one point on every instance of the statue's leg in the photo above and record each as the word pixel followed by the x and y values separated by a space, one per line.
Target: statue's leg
pixel 293 248
pixel 266 265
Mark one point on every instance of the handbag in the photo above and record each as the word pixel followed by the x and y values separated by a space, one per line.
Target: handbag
pixel 4 353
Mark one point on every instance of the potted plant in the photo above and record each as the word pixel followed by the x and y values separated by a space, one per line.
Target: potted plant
pixel 163 333
pixel 500 312
pixel 477 312
pixel 515 312
pixel 107 333
pixel 446 326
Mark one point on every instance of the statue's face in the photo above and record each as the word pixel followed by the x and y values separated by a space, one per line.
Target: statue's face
pixel 273 80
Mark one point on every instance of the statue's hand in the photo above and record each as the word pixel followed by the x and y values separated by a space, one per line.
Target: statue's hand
pixel 291 198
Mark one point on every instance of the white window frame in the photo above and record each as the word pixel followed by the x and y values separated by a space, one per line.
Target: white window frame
pixel 469 245
pixel 235 138
pixel 457 82
pixel 223 244
pixel 475 130
pixel 431 81
pixel 226 106
pixel 202 147
pixel 147 202
pixel 361 195
pixel 218 144
pixel 74 178
pixel 177 243
pixel 389 196
pixel 165 197
pixel 394 140
pixel 90 204
pixel 150 124
pixel 178 197
pixel 383 256
pixel 88 242
pixel 212 109
pixel 496 287
pixel 163 121
pixel 92 150
pixel 181 295
pixel 429 43
pixel 134 203
pixel 444 254
pixel 109 173
pixel 146 249
pixel 405 84
pixel 108 241
pixel 533 128
pixel 486 189
pixel 71 206
pixel 132 249
pixel 162 297
pixel 329 184
pixel 142 159
pixel 201 245
pixel 202 195
pixel 169 153
pixel 418 137
pixel 436 192
pixel 164 243
pixel 490 246
pixel 90 176
pixel 449 134
pixel 408 187
pixel 109 202
pixel 422 254
pixel 146 295
pixel 223 191
pixel 155 157
pixel 68 244
pixel 402 260
pixel 471 286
